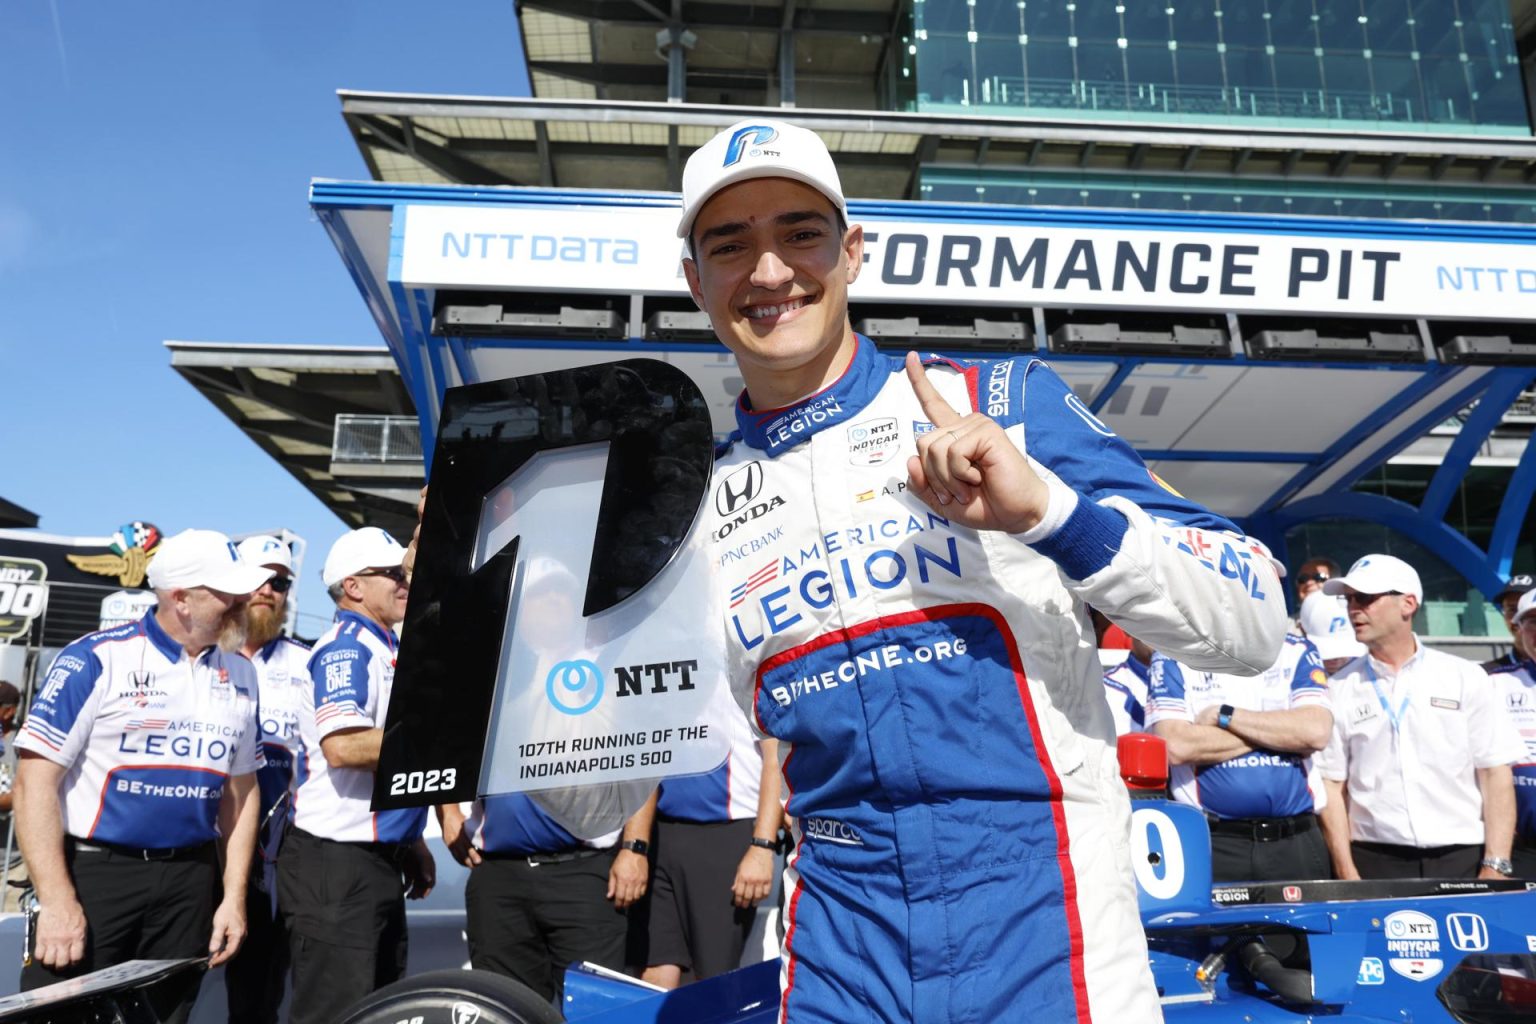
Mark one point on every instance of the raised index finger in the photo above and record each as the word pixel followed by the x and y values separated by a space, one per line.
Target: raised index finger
pixel 938 411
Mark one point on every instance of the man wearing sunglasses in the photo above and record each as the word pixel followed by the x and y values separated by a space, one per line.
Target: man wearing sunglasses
pixel 254 980
pixel 339 874
pixel 1420 744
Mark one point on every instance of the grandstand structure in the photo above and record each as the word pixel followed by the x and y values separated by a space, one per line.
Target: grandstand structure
pixel 1328 426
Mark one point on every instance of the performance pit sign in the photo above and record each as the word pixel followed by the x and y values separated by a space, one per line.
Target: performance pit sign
pixel 1270 268
pixel 562 636
pixel 23 595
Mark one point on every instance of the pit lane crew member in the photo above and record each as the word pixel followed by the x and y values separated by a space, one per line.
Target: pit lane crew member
pixel 538 898
pixel 140 741
pixel 344 948
pixel 1324 620
pixel 1419 745
pixel 1508 601
pixel 1125 688
pixel 924 652
pixel 1239 750
pixel 1517 691
pixel 716 840
pixel 255 979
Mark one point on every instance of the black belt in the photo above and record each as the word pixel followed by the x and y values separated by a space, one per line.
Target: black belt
pixel 395 853
pixel 536 859
pixel 1263 830
pixel 192 852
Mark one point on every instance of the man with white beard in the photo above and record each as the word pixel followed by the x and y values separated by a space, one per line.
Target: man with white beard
pixel 254 980
pixel 140 742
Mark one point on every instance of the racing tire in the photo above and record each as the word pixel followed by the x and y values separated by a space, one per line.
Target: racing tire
pixel 454 997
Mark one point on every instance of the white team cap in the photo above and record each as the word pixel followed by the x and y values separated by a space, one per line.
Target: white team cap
pixel 356 550
pixel 1325 620
pixel 1526 605
pixel 203 558
pixel 266 551
pixel 1377 574
pixel 761 148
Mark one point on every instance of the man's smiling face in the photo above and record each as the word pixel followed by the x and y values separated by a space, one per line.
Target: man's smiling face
pixel 772 270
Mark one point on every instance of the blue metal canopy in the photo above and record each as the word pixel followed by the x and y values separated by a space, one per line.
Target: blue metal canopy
pixel 1272 439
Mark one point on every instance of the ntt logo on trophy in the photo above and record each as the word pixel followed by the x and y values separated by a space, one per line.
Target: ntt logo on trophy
pixel 574 687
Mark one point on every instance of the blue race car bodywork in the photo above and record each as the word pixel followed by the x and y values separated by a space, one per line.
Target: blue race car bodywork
pixel 1462 951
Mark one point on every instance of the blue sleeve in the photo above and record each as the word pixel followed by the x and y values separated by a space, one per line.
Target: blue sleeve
pixel 1066 438
pixel 339 673
pixel 1310 680
pixel 1166 681
pixel 60 701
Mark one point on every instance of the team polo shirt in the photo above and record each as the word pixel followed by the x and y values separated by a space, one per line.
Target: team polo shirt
pixel 1407 746
pixel 147 732
pixel 1260 783
pixel 514 824
pixel 351 670
pixel 1125 690
pixel 1517 691
pixel 282 676
pixel 730 792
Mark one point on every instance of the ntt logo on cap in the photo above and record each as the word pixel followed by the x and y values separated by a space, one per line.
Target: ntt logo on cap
pixel 751 135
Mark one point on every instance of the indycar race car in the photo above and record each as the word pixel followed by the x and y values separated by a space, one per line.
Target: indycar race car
pixel 1350 952
pixel 1268 953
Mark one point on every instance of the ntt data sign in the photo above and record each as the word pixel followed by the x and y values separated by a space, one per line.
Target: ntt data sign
pixel 634 250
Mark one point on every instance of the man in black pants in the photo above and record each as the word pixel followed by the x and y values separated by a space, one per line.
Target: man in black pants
pixel 255 981
pixel 538 898
pixel 139 742
pixel 1239 750
pixel 1421 746
pixel 339 875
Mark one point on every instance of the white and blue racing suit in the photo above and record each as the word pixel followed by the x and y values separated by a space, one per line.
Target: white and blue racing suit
pixel 948 755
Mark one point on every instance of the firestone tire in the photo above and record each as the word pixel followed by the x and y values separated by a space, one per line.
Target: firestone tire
pixel 453 997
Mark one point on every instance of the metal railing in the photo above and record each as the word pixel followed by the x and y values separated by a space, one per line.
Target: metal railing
pixel 381 439
pixel 1187 98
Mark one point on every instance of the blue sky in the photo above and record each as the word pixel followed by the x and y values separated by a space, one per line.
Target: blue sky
pixel 153 186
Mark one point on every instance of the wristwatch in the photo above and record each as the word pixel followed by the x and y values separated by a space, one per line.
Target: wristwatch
pixel 1224 716
pixel 764 844
pixel 639 846
pixel 1500 864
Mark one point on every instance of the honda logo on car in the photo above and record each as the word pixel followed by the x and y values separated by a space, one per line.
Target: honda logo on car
pixel 1467 932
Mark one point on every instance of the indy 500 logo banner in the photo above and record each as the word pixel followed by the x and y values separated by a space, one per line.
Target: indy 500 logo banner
pixel 553 641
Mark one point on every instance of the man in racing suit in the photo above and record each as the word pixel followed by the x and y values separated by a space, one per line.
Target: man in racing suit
pixel 914 625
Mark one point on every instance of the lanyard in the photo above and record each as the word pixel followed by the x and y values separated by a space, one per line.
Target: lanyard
pixel 1394 715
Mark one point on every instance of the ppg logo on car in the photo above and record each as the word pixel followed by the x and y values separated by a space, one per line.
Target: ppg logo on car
pixel 1371 972
pixel 1467 932
pixel 574 687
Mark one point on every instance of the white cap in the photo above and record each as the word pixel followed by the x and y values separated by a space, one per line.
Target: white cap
pixel 203 558
pixel 266 551
pixel 367 548
pixel 1527 603
pixel 1378 574
pixel 761 148
pixel 1325 620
